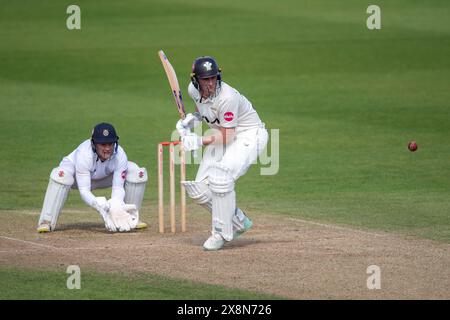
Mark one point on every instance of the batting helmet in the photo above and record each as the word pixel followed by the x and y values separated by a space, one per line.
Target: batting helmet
pixel 205 67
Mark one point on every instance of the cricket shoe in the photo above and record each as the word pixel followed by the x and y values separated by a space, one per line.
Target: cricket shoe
pixel 215 242
pixel 247 226
pixel 44 227
pixel 141 225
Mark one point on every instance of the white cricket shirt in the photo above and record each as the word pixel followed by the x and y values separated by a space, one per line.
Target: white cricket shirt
pixel 87 166
pixel 229 109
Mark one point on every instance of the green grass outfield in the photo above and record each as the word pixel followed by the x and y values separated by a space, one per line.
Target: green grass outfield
pixel 346 100
pixel 51 284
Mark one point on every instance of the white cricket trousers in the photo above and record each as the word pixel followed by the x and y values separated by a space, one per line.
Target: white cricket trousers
pixel 237 156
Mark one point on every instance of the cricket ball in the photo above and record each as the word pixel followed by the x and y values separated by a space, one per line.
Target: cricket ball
pixel 412 146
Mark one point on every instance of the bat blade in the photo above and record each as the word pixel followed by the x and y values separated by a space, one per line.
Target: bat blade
pixel 173 81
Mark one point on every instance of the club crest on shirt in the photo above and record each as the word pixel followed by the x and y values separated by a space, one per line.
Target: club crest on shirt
pixel 228 116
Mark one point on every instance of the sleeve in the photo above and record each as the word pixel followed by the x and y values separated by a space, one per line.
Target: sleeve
pixel 193 92
pixel 83 176
pixel 119 175
pixel 228 112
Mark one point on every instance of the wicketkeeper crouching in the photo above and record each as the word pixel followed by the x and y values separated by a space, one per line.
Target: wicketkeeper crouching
pixel 98 162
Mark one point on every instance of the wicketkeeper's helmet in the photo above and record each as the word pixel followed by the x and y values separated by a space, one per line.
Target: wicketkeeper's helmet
pixel 205 67
pixel 104 133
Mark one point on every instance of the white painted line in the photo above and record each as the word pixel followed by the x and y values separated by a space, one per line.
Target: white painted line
pixel 17 251
pixel 30 242
pixel 37 212
pixel 110 247
pixel 331 226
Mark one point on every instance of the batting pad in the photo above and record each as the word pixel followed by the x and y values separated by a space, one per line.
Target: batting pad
pixel 223 208
pixel 201 194
pixel 221 184
pixel 57 191
pixel 135 183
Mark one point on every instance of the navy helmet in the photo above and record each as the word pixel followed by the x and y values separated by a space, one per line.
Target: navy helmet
pixel 104 133
pixel 205 67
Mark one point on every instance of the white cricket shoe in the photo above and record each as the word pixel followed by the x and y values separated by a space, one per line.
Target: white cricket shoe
pixel 247 225
pixel 215 242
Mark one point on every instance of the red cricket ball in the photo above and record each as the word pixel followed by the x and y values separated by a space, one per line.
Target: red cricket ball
pixel 412 146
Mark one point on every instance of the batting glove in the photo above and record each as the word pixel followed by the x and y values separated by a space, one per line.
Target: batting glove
pixel 191 142
pixel 192 120
pixel 182 130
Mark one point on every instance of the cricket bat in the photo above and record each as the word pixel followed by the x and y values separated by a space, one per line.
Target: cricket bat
pixel 173 81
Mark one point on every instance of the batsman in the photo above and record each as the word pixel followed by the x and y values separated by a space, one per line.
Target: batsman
pixel 238 139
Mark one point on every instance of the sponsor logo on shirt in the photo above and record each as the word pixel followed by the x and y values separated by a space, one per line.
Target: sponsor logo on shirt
pixel 124 174
pixel 228 116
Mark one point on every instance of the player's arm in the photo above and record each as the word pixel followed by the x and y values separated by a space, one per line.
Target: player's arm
pixel 191 120
pixel 83 177
pixel 118 182
pixel 224 135
pixel 228 122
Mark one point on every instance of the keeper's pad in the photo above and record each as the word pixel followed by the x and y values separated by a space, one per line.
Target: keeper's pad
pixel 221 183
pixel 201 194
pixel 57 191
pixel 135 183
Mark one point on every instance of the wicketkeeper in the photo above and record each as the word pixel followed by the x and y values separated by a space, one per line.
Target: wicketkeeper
pixel 239 139
pixel 98 162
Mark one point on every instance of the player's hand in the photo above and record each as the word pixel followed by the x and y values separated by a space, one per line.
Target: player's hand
pixel 109 224
pixel 121 218
pixel 133 213
pixel 182 130
pixel 191 142
pixel 191 120
pixel 101 203
pixel 102 206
